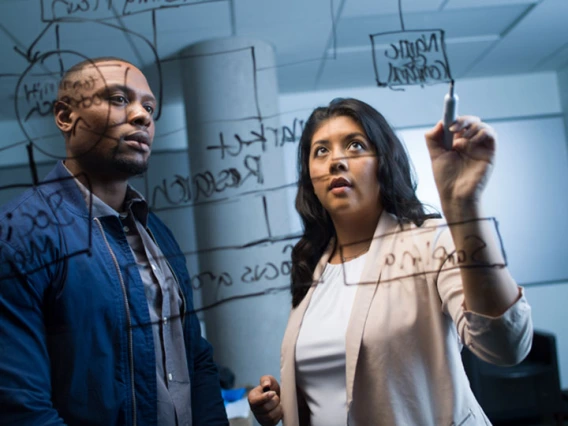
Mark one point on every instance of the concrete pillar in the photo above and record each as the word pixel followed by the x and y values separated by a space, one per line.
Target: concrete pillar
pixel 241 212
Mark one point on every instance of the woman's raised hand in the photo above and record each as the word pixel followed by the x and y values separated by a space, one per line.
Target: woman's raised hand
pixel 462 173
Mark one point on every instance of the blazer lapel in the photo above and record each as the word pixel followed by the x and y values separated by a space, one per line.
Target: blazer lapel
pixel 381 246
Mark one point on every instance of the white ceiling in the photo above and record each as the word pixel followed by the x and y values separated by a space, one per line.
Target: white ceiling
pixel 319 44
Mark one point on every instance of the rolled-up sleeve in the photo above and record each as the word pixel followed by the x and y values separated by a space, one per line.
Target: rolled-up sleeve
pixel 503 340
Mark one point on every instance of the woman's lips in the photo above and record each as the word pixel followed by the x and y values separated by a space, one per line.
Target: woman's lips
pixel 339 185
pixel 338 190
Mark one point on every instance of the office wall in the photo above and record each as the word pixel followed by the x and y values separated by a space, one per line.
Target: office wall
pixel 526 193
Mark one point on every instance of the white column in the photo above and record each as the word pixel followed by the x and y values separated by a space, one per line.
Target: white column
pixel 241 211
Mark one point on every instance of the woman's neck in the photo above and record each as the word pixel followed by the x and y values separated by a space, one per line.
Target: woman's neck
pixel 353 236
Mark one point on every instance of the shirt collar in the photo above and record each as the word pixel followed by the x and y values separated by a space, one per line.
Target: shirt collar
pixel 133 203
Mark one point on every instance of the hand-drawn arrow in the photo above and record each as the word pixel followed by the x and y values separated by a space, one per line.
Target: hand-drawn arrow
pixel 30 55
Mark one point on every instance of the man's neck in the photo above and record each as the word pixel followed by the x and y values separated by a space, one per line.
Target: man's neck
pixel 111 191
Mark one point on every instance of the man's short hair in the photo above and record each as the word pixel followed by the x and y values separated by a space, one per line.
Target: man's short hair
pixel 83 64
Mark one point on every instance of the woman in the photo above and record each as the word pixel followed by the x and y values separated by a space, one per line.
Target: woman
pixel 387 351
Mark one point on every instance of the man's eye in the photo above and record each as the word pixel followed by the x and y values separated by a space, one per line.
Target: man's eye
pixel 150 109
pixel 119 99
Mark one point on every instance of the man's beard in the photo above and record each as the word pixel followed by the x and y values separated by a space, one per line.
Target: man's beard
pixel 129 167
pixel 114 165
pixel 110 162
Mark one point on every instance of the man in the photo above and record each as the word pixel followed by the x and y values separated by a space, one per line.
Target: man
pixel 95 301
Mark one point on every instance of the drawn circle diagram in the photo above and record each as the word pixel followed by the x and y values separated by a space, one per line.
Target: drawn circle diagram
pixel 36 94
pixel 37 88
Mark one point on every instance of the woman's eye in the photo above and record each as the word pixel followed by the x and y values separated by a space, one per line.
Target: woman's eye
pixel 319 151
pixel 357 146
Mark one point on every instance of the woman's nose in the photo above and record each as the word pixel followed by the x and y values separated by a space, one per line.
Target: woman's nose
pixel 339 162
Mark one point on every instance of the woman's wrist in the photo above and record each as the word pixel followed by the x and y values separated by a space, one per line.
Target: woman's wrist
pixel 461 210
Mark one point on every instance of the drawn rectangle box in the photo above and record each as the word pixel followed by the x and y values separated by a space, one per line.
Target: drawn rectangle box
pixel 60 10
pixel 245 270
pixel 408 58
pixel 175 199
pixel 429 250
pixel 73 10
pixel 137 6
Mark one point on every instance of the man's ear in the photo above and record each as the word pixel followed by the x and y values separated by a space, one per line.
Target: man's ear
pixel 64 116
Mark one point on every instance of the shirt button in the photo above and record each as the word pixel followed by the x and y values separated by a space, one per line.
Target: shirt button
pixel 165 320
pixel 126 229
pixel 153 267
pixel 170 377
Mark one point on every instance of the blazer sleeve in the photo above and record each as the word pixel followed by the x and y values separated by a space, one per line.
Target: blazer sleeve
pixel 502 340
pixel 25 374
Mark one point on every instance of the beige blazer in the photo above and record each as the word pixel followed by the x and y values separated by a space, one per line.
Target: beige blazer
pixel 405 334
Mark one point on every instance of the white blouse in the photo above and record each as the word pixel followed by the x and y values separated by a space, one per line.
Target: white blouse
pixel 320 349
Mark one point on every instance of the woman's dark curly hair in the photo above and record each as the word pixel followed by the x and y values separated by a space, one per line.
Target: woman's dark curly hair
pixel 394 172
